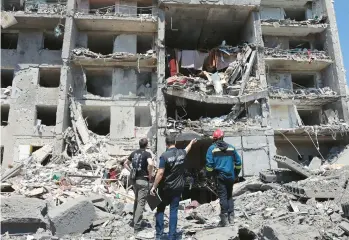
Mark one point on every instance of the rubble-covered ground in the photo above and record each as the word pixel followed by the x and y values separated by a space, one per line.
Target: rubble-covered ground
pixel 83 193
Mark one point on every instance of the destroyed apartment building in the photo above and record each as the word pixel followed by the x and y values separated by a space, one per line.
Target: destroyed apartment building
pixel 83 80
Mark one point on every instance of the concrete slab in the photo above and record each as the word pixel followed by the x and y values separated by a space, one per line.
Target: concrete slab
pixel 315 163
pixel 112 62
pixel 217 99
pixel 292 165
pixel 115 24
pixel 75 216
pixel 122 122
pixel 279 176
pixel 305 192
pixel 22 215
pixel 282 64
pixel 292 31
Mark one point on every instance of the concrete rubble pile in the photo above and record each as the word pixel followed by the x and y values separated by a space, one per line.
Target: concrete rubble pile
pixel 308 93
pixel 225 70
pixel 66 201
pixel 296 54
pixel 40 7
pixel 289 22
pixel 77 52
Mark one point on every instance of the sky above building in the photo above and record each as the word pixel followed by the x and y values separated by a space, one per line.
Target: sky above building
pixel 342 13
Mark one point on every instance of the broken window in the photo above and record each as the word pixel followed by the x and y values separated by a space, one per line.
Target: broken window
pixel 144 43
pixel 106 6
pixel 99 82
pixel 47 115
pixel 5 110
pixel 51 42
pixel 97 118
pixel 297 14
pixel 6 78
pixel 301 81
pixel 143 117
pixel 49 77
pixel 293 44
pixel 13 5
pixel 9 40
pixel 143 9
pixel 102 44
pixel 310 117
pixel 179 108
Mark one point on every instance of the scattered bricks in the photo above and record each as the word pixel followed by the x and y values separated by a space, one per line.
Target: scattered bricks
pixel 345 208
pixel 292 165
pixel 279 176
pixel 75 216
pixel 22 215
pixel 311 193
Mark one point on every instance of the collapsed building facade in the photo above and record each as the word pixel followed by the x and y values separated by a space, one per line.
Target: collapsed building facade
pixel 268 73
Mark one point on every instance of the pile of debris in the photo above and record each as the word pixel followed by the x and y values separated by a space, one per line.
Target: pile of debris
pixel 308 93
pixel 288 22
pixel 296 54
pixel 85 52
pixel 224 70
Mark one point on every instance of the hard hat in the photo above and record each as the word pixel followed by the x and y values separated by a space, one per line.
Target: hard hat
pixel 218 134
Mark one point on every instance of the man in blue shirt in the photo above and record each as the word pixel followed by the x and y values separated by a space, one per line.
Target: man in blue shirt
pixel 223 162
pixel 171 178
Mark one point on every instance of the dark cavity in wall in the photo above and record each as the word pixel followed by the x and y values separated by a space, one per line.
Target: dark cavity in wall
pixel 51 42
pixel 13 5
pixel 99 82
pixel 98 119
pixel 194 110
pixel 2 154
pixel 301 81
pixel 9 40
pixel 5 110
pixel 310 117
pixel 102 44
pixel 144 43
pixel 297 14
pixel 6 78
pixel 49 77
pixel 47 115
pixel 299 44
pixel 142 116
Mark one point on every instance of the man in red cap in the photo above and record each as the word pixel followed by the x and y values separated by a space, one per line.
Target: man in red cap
pixel 223 162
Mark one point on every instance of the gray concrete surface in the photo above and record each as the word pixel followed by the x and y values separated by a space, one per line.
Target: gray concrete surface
pixel 22 215
pixel 75 216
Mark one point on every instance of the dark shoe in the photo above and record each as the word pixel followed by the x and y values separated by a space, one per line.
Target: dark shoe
pixel 231 218
pixel 224 220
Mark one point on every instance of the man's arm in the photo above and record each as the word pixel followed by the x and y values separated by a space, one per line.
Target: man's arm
pixel 187 149
pixel 128 162
pixel 159 176
pixel 237 163
pixel 150 168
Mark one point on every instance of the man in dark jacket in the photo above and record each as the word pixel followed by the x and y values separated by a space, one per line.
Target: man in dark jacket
pixel 170 176
pixel 224 163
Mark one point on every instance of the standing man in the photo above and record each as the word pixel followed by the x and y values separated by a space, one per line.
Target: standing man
pixel 141 160
pixel 171 172
pixel 224 163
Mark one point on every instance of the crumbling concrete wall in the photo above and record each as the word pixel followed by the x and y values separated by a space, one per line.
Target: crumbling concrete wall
pixel 283 116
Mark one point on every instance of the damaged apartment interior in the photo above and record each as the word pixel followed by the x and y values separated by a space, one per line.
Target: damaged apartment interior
pixel 83 80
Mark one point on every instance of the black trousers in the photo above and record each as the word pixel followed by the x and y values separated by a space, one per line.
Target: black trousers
pixel 225 194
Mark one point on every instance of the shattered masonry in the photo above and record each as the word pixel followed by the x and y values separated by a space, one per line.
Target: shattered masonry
pixel 83 80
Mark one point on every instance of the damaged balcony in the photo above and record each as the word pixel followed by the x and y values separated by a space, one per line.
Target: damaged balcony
pixel 319 121
pixel 296 19
pixel 34 14
pixel 193 117
pixel 110 16
pixel 123 50
pixel 296 59
pixel 300 89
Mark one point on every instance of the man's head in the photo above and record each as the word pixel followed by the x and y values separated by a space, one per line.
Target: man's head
pixel 218 135
pixel 143 143
pixel 170 140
